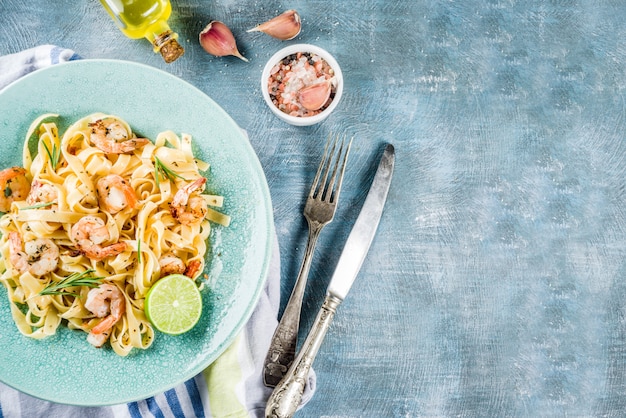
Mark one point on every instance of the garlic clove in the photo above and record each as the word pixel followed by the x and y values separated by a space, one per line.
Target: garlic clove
pixel 315 96
pixel 217 39
pixel 284 26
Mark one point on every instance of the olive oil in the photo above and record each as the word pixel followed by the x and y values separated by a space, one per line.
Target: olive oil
pixel 146 19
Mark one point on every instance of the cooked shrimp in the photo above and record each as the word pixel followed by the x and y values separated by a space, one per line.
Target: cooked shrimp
pixel 103 301
pixel 39 256
pixel 115 193
pixel 112 137
pixel 186 208
pixel 89 233
pixel 14 187
pixel 41 193
pixel 171 264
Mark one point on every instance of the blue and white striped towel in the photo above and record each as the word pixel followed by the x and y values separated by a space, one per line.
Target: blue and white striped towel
pixel 230 387
pixel 17 65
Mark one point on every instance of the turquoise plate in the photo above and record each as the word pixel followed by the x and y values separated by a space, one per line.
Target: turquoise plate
pixel 64 368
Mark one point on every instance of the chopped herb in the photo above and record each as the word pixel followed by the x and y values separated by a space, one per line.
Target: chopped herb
pixel 161 169
pixel 74 279
pixel 39 205
pixel 139 251
pixel 7 191
pixel 53 155
pixel 23 307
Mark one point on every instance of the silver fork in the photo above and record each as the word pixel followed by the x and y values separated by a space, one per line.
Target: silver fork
pixel 319 210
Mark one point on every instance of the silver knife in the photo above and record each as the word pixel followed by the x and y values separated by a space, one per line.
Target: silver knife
pixel 286 397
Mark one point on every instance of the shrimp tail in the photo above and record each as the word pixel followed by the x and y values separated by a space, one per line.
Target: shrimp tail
pixel 132 144
pixel 98 253
pixel 104 325
pixel 197 184
pixel 182 196
pixel 129 193
pixel 98 340
pixel 193 268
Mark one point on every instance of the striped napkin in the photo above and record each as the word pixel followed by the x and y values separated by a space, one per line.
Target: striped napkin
pixel 230 387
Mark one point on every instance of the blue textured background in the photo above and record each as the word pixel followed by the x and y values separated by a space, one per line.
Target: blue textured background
pixel 495 285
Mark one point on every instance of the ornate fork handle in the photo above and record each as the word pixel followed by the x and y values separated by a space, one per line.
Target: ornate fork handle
pixel 283 346
pixel 286 397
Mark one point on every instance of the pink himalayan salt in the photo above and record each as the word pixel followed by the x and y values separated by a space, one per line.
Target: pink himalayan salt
pixel 292 74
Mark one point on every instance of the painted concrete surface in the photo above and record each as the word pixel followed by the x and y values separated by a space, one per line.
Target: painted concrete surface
pixel 495 286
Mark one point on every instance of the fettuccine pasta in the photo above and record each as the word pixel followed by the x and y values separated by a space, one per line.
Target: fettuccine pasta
pixel 93 219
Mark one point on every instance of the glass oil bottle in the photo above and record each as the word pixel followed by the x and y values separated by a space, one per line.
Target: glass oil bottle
pixel 146 19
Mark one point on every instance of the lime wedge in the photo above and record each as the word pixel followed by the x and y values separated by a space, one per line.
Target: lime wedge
pixel 173 304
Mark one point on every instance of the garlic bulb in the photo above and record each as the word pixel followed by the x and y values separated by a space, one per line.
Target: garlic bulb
pixel 218 40
pixel 284 26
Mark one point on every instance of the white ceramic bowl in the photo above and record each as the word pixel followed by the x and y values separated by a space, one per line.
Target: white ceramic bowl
pixel 285 52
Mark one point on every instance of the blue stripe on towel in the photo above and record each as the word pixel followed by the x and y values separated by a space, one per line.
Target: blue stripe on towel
pixel 194 395
pixel 55 53
pixel 154 408
pixel 1 416
pixel 174 403
pixel 133 408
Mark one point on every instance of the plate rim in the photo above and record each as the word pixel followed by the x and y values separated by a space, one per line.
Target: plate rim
pixel 268 234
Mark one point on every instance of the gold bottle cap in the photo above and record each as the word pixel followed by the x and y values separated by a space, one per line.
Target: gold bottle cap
pixel 168 46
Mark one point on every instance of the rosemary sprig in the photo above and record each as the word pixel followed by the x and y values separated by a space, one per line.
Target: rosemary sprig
pixel 39 205
pixel 74 279
pixel 161 169
pixel 53 155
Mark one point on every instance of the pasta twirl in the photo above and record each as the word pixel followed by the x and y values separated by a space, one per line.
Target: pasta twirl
pixel 101 217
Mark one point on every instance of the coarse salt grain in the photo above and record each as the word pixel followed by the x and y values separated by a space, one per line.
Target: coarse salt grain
pixel 292 74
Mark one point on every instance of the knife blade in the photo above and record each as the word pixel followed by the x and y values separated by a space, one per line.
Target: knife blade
pixel 286 397
pixel 364 229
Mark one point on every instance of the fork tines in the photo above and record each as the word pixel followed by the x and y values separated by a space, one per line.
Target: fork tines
pixel 326 189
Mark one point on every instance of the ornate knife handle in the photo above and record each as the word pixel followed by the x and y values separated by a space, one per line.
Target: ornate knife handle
pixel 286 397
